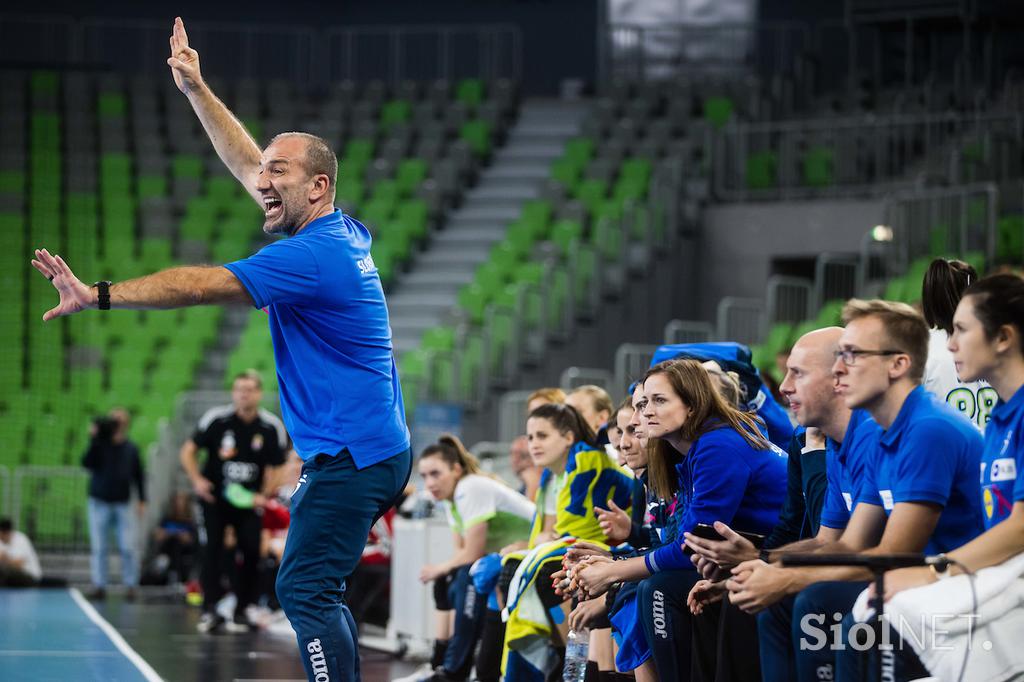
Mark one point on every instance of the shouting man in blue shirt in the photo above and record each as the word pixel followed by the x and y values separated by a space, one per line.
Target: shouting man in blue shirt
pixel 340 396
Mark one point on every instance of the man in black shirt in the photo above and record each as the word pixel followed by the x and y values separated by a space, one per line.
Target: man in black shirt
pixel 242 441
pixel 114 463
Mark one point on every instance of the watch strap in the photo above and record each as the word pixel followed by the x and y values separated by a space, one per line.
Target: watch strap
pixel 103 295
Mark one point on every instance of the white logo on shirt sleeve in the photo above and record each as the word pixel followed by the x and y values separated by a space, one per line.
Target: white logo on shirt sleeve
pixel 886 496
pixel 366 265
pixel 1004 469
pixel 849 501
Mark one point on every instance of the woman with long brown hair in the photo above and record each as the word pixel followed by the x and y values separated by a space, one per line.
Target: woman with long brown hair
pixel 713 461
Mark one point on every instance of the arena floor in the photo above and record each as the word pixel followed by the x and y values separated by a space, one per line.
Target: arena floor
pixel 58 635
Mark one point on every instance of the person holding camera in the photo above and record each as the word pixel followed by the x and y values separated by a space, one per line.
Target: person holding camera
pixel 241 440
pixel 113 460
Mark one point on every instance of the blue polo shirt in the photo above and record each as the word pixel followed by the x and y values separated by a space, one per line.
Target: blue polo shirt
pixel 1003 460
pixel 332 340
pixel 723 478
pixel 929 454
pixel 844 468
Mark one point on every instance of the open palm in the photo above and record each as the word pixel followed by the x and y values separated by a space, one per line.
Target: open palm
pixel 75 296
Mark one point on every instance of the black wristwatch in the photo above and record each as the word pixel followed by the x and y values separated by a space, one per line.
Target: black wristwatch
pixel 103 294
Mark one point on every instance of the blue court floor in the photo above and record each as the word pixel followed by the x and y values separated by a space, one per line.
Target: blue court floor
pixel 55 634
pixel 49 635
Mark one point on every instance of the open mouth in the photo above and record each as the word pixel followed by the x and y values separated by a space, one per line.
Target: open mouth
pixel 272 207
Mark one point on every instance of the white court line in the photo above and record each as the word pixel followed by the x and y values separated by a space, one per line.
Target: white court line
pixel 115 637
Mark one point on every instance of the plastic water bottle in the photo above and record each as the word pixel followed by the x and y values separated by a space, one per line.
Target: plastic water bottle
pixel 576 651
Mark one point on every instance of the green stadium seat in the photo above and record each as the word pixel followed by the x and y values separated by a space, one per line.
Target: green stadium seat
pixel 478 134
pixel 411 173
pixel 519 239
pixel 413 215
pixel 818 165
pixel 473 300
pixel 761 170
pixel 471 361
pixel 350 190
pixel 395 112
pixel 780 338
pixel 592 192
pixel 470 92
pixel 12 182
pixel 44 83
pixel 384 259
pixel 831 313
pixel 255 128
pixel 187 166
pixel 506 257
pixel 385 191
pixel 566 172
pixel 151 186
pixel 112 105
pixel 490 277
pixel 579 151
pixel 718 111
pixel 536 215
pixel 439 339
pixel 376 213
pixel 1010 239
pixel 564 233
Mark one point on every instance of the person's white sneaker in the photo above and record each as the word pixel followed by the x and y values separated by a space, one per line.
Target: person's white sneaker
pixel 424 672
pixel 210 622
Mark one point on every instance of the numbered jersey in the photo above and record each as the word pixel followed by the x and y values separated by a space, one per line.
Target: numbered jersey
pixel 974 400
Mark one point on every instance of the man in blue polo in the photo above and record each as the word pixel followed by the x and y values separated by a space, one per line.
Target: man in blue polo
pixel 915 491
pixel 340 396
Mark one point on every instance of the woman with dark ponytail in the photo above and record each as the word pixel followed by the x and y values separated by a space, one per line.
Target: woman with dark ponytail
pixel 943 286
pixel 578 476
pixel 485 515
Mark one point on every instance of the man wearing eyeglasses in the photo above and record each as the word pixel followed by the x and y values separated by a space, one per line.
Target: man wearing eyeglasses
pixel 917 488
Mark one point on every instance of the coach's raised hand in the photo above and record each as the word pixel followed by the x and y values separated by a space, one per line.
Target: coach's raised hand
pixel 184 61
pixel 75 296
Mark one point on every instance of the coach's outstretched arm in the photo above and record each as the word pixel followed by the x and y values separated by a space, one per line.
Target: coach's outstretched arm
pixel 233 143
pixel 171 288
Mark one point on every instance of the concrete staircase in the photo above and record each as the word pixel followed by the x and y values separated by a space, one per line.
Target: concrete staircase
pixel 423 297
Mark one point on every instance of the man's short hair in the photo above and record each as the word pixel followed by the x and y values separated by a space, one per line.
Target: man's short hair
pixel 6 526
pixel 320 158
pixel 251 375
pixel 905 327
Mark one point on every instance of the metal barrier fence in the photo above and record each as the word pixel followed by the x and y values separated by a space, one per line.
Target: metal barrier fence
pixel 842 156
pixel 631 361
pixel 574 377
pixel 940 221
pixel 790 299
pixel 650 53
pixel 512 415
pixel 688 331
pixel 302 54
pixel 397 53
pixel 741 319
pixel 836 276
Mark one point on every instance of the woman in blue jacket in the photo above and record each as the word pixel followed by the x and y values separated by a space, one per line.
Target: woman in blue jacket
pixel 713 462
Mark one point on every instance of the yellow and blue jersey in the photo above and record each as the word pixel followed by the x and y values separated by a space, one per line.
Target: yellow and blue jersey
pixel 591 479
